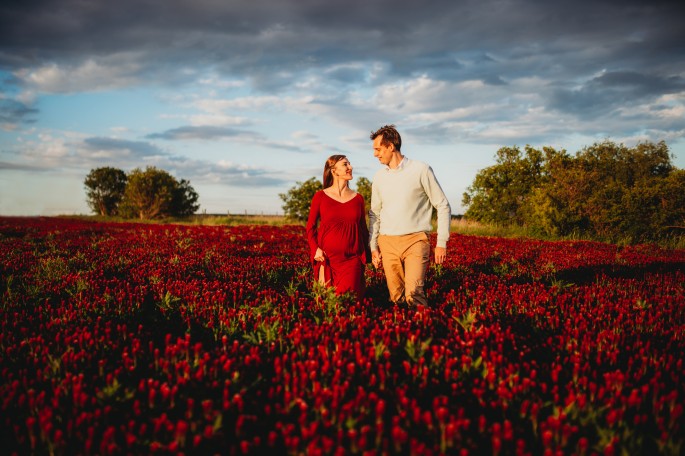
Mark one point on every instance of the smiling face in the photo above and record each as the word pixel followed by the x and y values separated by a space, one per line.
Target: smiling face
pixel 342 169
pixel 383 152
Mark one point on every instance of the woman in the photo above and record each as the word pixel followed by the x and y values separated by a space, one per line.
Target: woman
pixel 336 230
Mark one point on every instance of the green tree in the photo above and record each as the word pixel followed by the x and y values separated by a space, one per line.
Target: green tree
pixel 154 193
pixel 184 202
pixel 607 191
pixel 672 200
pixel 364 189
pixel 298 199
pixel 621 196
pixel 104 190
pixel 498 194
pixel 554 207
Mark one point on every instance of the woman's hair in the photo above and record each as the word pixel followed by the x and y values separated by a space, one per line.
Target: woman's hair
pixel 390 135
pixel 328 169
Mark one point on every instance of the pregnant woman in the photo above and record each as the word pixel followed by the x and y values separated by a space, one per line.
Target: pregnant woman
pixel 336 230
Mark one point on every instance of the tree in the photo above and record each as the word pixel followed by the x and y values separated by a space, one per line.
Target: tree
pixel 622 192
pixel 184 202
pixel 299 198
pixel 607 191
pixel 498 194
pixel 154 193
pixel 105 189
pixel 364 189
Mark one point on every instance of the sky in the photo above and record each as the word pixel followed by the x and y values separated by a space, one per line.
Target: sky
pixel 246 99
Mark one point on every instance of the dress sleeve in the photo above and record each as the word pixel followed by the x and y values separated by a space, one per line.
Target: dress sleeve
pixel 312 222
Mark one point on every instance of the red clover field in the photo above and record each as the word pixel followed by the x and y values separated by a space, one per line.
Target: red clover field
pixel 126 338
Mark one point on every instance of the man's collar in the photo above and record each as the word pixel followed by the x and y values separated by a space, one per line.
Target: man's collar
pixel 400 166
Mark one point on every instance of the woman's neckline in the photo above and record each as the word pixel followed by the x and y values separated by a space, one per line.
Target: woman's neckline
pixel 339 201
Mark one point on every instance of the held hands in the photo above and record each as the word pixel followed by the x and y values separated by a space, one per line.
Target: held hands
pixel 319 255
pixel 376 259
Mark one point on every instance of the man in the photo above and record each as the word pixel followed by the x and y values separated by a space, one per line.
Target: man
pixel 403 195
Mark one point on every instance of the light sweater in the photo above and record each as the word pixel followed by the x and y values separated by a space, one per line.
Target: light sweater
pixel 402 202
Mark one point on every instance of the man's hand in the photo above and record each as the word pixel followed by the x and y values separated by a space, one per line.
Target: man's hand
pixel 440 254
pixel 376 259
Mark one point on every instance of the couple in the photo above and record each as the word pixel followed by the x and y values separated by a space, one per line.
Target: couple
pixel 403 195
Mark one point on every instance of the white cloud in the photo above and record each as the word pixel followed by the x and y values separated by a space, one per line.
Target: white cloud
pixel 89 75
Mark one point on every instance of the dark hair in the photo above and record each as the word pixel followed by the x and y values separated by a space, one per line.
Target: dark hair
pixel 328 167
pixel 390 135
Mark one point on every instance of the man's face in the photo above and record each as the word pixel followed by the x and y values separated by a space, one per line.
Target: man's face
pixel 383 152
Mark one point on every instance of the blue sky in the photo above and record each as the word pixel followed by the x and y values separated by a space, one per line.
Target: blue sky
pixel 245 99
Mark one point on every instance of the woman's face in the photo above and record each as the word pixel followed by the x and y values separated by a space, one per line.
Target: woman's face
pixel 343 169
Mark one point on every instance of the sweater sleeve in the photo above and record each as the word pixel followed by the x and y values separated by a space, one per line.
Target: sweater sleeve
pixel 312 224
pixel 439 201
pixel 374 218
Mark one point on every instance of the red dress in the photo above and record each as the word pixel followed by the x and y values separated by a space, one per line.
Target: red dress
pixel 344 237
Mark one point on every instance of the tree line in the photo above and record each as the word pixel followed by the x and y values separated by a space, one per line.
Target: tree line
pixel 144 194
pixel 606 191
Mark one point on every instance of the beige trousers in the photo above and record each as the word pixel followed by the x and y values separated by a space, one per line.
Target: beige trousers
pixel 405 262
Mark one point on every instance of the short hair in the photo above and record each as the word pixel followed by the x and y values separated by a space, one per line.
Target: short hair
pixel 390 135
pixel 328 169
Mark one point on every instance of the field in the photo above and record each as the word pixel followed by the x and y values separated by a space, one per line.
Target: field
pixel 120 338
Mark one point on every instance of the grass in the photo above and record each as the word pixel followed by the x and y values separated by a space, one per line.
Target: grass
pixel 471 227
pixel 198 219
pixel 233 220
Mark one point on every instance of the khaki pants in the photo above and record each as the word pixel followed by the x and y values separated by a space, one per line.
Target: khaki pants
pixel 405 262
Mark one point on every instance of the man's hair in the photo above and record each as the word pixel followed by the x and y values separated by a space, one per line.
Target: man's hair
pixel 390 135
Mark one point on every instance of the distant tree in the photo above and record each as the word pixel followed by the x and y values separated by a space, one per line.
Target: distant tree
pixel 607 191
pixel 184 202
pixel 622 196
pixel 364 189
pixel 298 199
pixel 104 189
pixel 498 194
pixel 154 193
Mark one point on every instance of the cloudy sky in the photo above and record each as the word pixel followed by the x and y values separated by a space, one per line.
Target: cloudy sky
pixel 246 98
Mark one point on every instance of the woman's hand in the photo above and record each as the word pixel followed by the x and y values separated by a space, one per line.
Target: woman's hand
pixel 319 255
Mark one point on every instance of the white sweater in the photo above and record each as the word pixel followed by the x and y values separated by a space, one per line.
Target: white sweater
pixel 402 201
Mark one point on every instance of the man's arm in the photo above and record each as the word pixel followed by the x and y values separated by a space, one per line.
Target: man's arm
pixel 374 218
pixel 441 204
pixel 374 225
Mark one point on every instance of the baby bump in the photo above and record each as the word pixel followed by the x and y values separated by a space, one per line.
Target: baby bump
pixel 339 240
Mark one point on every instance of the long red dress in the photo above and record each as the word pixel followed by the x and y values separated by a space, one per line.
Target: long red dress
pixel 344 237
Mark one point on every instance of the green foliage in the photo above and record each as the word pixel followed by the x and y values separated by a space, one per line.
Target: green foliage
pixel 105 189
pixel 149 194
pixel 184 201
pixel 364 189
pixel 299 198
pixel 498 193
pixel 154 193
pixel 606 191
